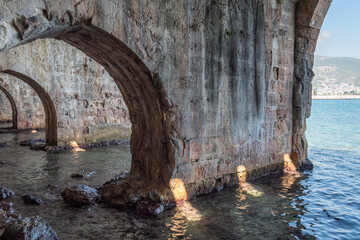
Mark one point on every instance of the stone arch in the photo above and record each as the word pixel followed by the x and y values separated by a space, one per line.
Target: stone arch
pixel 151 145
pixel 13 108
pixel 142 93
pixel 49 107
pixel 309 17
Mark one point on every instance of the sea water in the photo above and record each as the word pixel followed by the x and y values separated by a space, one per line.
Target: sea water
pixel 319 204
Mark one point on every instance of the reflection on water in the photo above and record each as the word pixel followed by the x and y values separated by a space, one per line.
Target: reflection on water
pixel 323 204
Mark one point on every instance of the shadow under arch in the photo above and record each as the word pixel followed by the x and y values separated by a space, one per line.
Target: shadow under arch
pixel 13 108
pixel 153 154
pixel 49 107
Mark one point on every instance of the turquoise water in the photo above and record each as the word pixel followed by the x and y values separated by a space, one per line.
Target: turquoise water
pixel 319 204
pixel 334 185
pixel 334 125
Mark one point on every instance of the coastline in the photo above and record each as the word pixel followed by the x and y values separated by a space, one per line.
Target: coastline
pixel 315 97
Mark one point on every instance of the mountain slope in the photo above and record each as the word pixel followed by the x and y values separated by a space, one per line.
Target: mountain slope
pixel 336 75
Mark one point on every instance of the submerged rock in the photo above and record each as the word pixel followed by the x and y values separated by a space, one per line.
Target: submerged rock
pixel 38 147
pixel 144 208
pixel 5 193
pixel 80 195
pixel 306 165
pixel 2 145
pixel 32 200
pixel 82 174
pixel 31 142
pixel 52 187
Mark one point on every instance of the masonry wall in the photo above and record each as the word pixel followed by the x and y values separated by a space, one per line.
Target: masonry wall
pixel 30 109
pixel 5 108
pixel 221 71
pixel 88 103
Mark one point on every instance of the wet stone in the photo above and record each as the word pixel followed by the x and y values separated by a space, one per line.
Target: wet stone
pixel 150 210
pixel 2 145
pixel 80 195
pixel 38 147
pixel 82 174
pixel 32 200
pixel 306 165
pixel 8 208
pixel 25 228
pixel 51 187
pixel 31 142
pixel 5 193
pixel 13 226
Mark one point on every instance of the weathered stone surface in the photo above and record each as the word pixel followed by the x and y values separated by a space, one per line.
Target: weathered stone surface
pixel 29 110
pixel 5 193
pixel 80 195
pixel 5 109
pixel 308 20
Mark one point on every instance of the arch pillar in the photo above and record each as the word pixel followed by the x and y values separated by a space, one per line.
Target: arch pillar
pixel 309 18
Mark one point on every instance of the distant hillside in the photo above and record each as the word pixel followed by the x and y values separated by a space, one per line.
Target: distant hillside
pixel 336 76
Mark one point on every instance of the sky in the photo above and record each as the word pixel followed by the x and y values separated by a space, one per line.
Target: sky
pixel 340 32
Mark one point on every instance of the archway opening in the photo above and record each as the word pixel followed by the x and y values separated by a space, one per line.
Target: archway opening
pixel 14 112
pixel 152 151
pixel 50 111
